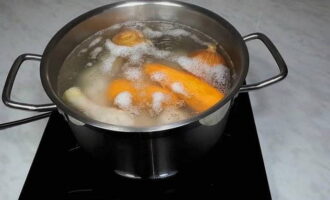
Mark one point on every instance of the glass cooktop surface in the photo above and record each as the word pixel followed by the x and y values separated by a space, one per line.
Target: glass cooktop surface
pixel 234 168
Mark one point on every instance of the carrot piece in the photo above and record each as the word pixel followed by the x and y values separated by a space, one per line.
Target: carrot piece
pixel 142 96
pixel 147 95
pixel 198 94
pixel 208 56
pixel 121 85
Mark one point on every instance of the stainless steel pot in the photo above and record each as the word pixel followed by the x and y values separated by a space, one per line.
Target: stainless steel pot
pixel 150 152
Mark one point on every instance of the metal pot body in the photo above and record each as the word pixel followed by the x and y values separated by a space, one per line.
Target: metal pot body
pixel 157 154
pixel 151 156
pixel 151 152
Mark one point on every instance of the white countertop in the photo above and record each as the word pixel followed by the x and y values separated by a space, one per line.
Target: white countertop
pixel 292 117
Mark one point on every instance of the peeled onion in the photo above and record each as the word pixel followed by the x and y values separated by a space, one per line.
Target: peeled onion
pixel 208 56
pixel 128 37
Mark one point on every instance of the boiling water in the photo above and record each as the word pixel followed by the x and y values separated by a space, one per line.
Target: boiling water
pixel 96 62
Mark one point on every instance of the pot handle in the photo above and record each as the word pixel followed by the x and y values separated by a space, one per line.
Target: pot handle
pixel 6 94
pixel 24 121
pixel 276 55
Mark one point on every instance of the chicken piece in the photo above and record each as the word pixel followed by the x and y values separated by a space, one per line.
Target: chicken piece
pixel 197 94
pixel 128 37
pixel 78 100
pixel 208 56
pixel 94 84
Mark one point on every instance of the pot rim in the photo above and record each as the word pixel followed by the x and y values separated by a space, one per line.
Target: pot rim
pixel 62 106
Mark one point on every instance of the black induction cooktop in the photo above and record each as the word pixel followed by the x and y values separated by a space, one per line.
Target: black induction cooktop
pixel 234 169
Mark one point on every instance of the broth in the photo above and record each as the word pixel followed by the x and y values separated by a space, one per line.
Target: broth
pixel 145 74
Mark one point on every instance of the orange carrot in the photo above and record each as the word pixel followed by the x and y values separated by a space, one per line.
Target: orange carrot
pixel 146 95
pixel 141 96
pixel 198 94
pixel 121 85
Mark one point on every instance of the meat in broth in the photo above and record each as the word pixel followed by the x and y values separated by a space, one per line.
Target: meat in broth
pixel 145 74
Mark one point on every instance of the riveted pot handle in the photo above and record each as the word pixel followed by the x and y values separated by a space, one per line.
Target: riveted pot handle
pixel 276 55
pixel 6 94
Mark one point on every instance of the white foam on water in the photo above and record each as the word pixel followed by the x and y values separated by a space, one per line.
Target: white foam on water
pixel 199 41
pixel 133 24
pixel 95 42
pixel 160 54
pixel 89 64
pixel 95 52
pixel 135 54
pixel 153 34
pixel 158 76
pixel 106 64
pixel 217 76
pixel 115 26
pixel 129 24
pixel 149 33
pixel 165 26
pixel 178 33
pixel 82 51
pixel 133 73
pixel 177 87
pixel 123 100
pixel 158 99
